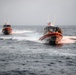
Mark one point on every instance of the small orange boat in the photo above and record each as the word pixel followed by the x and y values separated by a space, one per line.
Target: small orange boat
pixel 52 34
pixel 7 29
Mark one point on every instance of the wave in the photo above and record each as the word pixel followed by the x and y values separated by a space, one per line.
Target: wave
pixel 60 53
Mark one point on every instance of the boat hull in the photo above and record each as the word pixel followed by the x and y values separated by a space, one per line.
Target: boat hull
pixel 7 31
pixel 52 38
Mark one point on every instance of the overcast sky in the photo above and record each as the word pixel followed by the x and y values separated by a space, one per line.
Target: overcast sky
pixel 35 12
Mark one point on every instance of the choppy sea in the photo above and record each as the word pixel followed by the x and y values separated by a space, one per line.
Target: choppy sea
pixel 22 53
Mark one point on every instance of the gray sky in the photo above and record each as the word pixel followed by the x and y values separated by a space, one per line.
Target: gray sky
pixel 35 12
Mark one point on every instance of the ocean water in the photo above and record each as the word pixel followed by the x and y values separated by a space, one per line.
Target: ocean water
pixel 22 53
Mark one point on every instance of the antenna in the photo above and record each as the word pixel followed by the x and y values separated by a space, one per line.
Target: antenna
pixel 6 21
pixel 49 22
pixel 54 21
pixel 48 18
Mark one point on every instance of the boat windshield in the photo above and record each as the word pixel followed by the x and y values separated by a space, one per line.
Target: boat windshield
pixel 52 29
pixel 7 26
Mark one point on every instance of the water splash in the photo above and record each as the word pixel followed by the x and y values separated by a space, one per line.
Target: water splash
pixel 34 36
pixel 68 39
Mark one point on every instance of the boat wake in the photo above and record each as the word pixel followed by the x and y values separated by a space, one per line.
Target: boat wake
pixel 21 35
pixel 21 31
pixel 34 36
